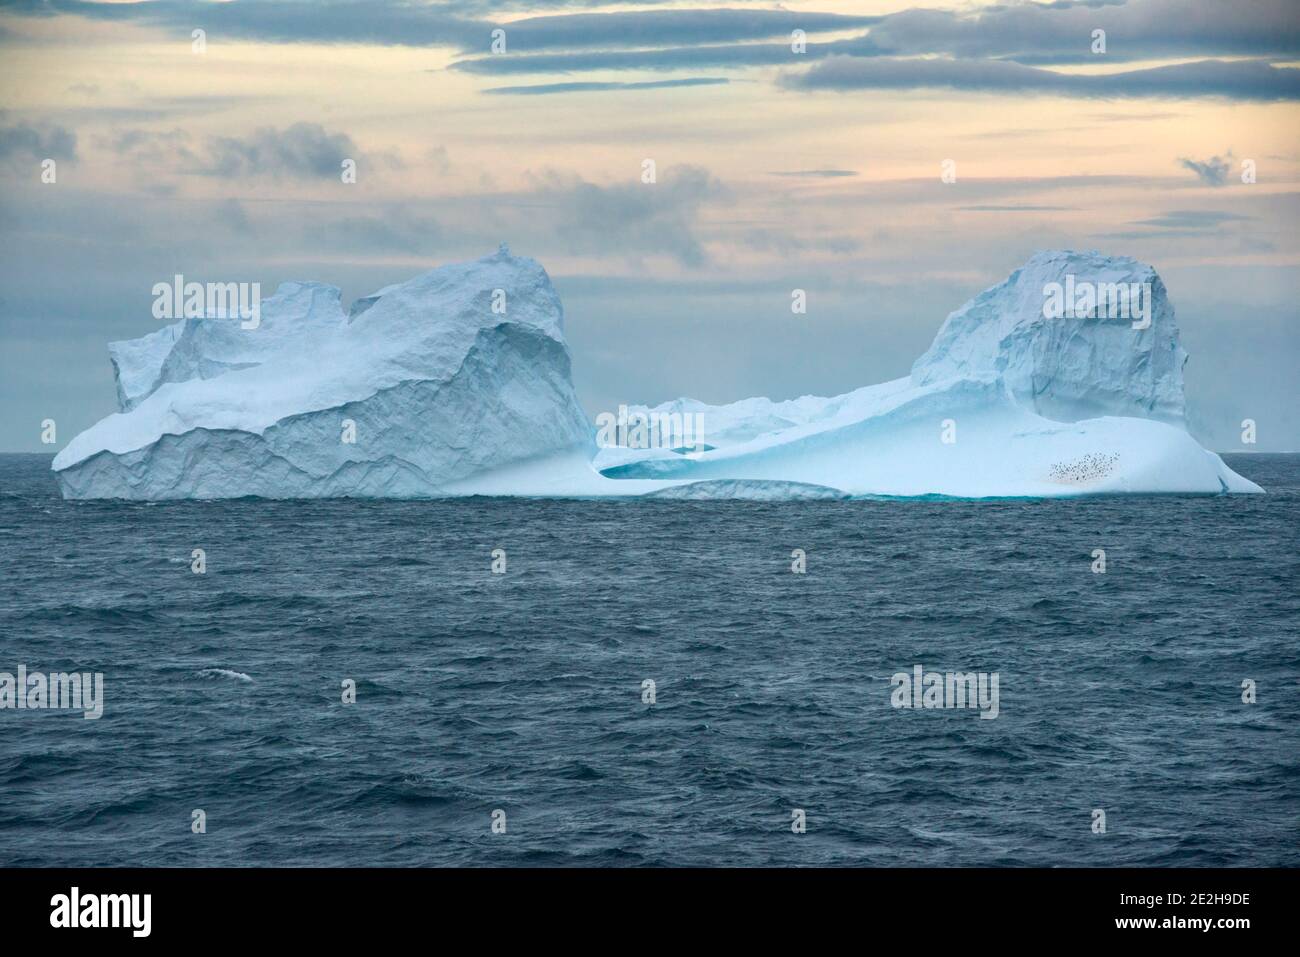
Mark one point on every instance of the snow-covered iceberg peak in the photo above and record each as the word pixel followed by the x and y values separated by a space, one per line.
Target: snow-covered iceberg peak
pixel 1073 336
pixel 455 373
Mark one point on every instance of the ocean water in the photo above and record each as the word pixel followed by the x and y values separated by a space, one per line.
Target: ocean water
pixel 522 692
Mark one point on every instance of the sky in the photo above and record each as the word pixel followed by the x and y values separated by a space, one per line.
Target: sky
pixel 778 166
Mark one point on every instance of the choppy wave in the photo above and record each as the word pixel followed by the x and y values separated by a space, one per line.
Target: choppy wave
pixel 224 673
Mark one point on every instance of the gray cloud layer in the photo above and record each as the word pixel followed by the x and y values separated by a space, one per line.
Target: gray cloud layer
pixel 666 58
pixel 464 25
pixel 1211 172
pixel 38 142
pixel 301 150
pixel 989 49
pixel 1236 79
pixel 1138 29
pixel 635 218
pixel 1029 30
pixel 385 22
pixel 650 28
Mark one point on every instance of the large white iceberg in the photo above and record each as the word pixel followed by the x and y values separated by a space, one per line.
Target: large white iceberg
pixel 457 382
pixel 454 374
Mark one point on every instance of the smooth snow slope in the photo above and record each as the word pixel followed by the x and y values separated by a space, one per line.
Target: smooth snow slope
pixel 450 396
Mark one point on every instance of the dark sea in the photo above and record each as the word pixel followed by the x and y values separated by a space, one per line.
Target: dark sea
pixel 1120 692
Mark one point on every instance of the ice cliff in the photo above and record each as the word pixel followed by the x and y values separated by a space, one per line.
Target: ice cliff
pixel 458 372
pixel 1065 379
pixel 1069 367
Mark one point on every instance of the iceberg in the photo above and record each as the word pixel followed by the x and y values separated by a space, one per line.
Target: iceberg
pixel 1065 379
pixel 453 374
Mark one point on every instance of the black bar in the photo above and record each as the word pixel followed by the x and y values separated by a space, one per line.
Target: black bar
pixel 959 907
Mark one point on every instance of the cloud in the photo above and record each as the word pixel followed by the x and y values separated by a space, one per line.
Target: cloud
pixel 1185 219
pixel 152 147
pixel 1239 80
pixel 155 108
pixel 303 150
pixel 668 58
pixel 634 218
pixel 438 158
pixel 383 22
pixel 591 87
pixel 1000 37
pixel 466 25
pixel 1023 32
pixel 300 151
pixel 1213 172
pixel 1180 222
pixel 674 28
pixel 1062 32
pixel 45 141
pixel 1137 29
